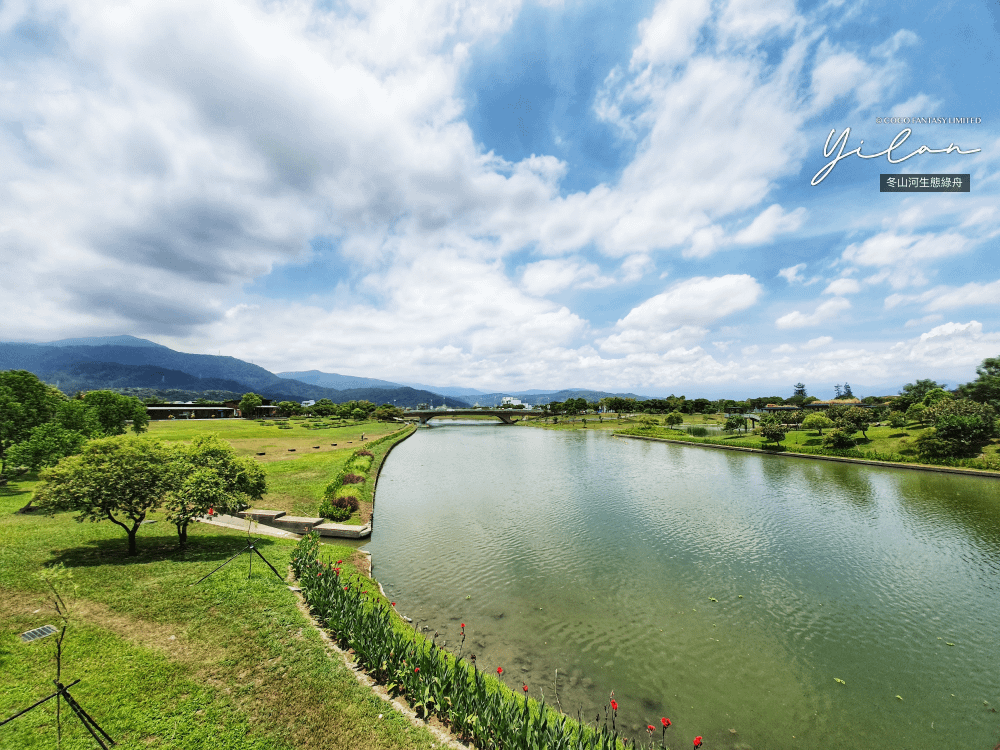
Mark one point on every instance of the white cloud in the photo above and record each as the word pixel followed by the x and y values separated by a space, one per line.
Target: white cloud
pixel 817 342
pixel 950 297
pixel 920 322
pixel 824 312
pixel 682 311
pixel 770 223
pixel 793 274
pixel 784 349
pixel 547 276
pixel 842 286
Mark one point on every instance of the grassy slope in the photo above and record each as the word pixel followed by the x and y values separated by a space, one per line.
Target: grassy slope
pixel 884 441
pixel 229 663
pixel 295 480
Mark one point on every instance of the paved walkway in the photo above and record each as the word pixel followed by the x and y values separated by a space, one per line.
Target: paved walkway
pixel 258 529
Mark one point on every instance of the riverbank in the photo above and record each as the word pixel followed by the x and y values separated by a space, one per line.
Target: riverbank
pixel 229 662
pixel 676 436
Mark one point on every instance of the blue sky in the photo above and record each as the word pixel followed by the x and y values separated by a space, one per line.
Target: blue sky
pixel 508 195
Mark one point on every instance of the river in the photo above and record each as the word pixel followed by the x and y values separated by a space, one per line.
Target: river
pixel 729 592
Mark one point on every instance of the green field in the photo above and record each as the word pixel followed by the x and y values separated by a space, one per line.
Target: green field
pixel 228 663
pixel 296 477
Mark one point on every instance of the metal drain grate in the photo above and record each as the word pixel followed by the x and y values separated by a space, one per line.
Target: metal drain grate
pixel 34 635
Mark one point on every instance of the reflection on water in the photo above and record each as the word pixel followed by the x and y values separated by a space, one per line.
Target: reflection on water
pixel 726 591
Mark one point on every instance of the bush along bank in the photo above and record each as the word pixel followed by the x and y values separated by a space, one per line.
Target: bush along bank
pixel 979 464
pixel 354 484
pixel 478 707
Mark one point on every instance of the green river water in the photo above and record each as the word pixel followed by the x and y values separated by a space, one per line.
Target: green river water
pixel 600 557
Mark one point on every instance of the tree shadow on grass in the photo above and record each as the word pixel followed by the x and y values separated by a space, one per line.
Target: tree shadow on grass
pixel 155 548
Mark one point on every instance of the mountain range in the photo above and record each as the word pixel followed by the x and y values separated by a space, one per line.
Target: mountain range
pixel 127 363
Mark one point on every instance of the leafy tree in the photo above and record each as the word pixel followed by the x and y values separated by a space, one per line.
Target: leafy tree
pixel 673 419
pixel 25 403
pixel 913 393
pixel 838 391
pixel 358 414
pixel 986 388
pixel 916 413
pixel 817 422
pixel 47 445
pixel 387 412
pixel 799 391
pixel 289 408
pixel 208 474
pixel 113 412
pixel 847 391
pixel 897 420
pixel 249 405
pixel 77 416
pixel 734 423
pixel 856 419
pixel 960 429
pixel 118 479
pixel 932 397
pixel 324 408
pixel 771 429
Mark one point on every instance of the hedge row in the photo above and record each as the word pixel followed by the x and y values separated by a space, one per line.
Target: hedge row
pixel 478 707
pixel 352 473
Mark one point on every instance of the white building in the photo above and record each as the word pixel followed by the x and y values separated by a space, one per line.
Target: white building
pixel 510 401
pixel 306 404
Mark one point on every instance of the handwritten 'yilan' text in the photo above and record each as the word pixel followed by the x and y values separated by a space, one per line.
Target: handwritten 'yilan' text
pixel 841 143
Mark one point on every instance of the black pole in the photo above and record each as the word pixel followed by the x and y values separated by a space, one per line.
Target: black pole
pixel 268 563
pixel 87 719
pixel 35 705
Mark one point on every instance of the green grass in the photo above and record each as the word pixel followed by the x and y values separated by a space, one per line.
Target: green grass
pixel 228 663
pixel 297 471
pixel 882 443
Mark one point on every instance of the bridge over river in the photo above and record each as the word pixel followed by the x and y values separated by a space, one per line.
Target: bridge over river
pixel 504 415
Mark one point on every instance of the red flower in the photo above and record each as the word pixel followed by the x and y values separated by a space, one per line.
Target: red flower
pixel 697 741
pixel 525 688
pixel 499 670
pixel 614 705
pixel 339 562
pixel 665 722
pixel 319 574
pixel 463 624
pixel 393 603
pixel 650 728
pixel 345 588
pixel 416 669
pixel 211 511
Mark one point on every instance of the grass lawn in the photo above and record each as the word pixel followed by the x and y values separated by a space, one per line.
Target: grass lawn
pixel 295 478
pixel 883 441
pixel 228 663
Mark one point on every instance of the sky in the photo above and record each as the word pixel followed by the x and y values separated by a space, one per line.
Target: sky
pixel 508 195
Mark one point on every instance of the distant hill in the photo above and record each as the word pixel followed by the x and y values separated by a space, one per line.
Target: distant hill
pixel 128 362
pixel 340 382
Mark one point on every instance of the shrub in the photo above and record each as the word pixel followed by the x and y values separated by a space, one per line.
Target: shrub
pixel 897 420
pixel 346 501
pixel 838 440
pixel 335 513
pixel 697 431
pixel 352 479
pixel 365 453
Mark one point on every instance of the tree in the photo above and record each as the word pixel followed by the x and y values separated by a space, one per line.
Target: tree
pixel 838 391
pixel 208 474
pixel 799 391
pixel 735 423
pixel 358 414
pixel 897 420
pixel 933 396
pixel 324 408
pixel 47 445
pixel 113 412
pixel 118 479
pixel 771 429
pixel 673 419
pixel 76 415
pixel 387 412
pixel 289 408
pixel 838 440
pixel 249 405
pixel 25 403
pixel 912 393
pixel 960 429
pixel 986 388
pixel 817 422
pixel 916 413
pixel 847 391
pixel 856 419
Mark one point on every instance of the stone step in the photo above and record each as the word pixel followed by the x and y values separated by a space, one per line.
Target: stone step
pixel 261 515
pixel 298 524
pixel 343 530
